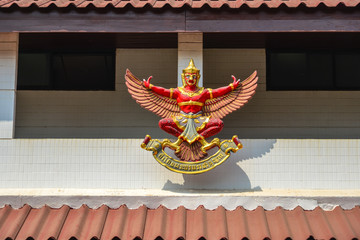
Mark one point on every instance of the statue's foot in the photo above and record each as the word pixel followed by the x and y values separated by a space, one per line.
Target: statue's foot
pixel 206 146
pixel 203 149
pixel 173 145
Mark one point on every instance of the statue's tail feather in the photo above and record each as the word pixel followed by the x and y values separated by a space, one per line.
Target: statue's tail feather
pixel 191 153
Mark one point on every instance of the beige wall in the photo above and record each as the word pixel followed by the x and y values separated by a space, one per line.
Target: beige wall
pixel 281 114
pixel 190 46
pixel 98 114
pixel 270 114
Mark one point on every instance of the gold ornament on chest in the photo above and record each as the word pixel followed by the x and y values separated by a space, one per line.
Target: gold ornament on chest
pixel 191 93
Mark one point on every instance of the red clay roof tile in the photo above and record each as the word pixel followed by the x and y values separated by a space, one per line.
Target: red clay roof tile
pixel 216 224
pixel 48 221
pixel 211 225
pixel 238 228
pixel 257 224
pixel 148 224
pixel 298 224
pixel 353 217
pixel 278 224
pixel 339 224
pixel 125 223
pixel 11 220
pixel 179 3
pixel 195 224
pixel 84 223
pixel 322 228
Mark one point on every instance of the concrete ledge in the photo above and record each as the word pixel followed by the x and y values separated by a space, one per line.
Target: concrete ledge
pixel 94 198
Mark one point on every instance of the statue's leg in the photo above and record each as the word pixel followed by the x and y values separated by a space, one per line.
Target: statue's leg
pixel 214 126
pixel 169 126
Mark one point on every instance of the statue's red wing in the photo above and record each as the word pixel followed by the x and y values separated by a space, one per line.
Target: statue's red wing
pixel 163 106
pixel 221 106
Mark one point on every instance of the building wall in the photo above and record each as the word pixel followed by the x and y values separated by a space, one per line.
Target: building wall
pixel 270 114
pixel 292 140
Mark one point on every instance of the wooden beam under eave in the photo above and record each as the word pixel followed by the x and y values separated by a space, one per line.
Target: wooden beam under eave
pixel 71 19
pixel 186 19
pixel 273 25
pixel 301 19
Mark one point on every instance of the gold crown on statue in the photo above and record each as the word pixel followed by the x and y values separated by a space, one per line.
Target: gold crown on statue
pixel 191 68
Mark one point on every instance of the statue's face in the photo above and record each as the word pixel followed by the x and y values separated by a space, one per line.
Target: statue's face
pixel 191 78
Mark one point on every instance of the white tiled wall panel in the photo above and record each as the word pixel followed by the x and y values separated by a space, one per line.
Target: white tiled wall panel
pixel 8 62
pixel 7 99
pixel 122 164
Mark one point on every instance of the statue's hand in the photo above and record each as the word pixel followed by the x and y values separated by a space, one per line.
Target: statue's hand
pixel 147 82
pixel 236 82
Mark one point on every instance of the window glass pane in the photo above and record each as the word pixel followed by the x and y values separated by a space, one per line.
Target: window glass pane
pixel 287 70
pixel 33 71
pixel 320 72
pixel 347 70
pixel 66 71
pixel 300 71
pixel 83 71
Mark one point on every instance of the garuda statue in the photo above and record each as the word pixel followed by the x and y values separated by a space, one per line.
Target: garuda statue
pixel 190 113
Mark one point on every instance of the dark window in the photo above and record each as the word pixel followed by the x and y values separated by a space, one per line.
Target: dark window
pixel 66 71
pixel 33 71
pixel 347 70
pixel 313 70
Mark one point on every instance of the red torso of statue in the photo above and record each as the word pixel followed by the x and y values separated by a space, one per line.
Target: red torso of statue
pixel 185 101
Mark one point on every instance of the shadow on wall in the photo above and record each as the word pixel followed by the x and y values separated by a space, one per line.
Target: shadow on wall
pixel 229 175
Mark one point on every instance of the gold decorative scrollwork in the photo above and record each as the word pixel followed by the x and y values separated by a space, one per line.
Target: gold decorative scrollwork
pixel 226 147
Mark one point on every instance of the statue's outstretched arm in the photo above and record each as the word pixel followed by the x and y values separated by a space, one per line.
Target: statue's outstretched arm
pixel 224 90
pixel 159 90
